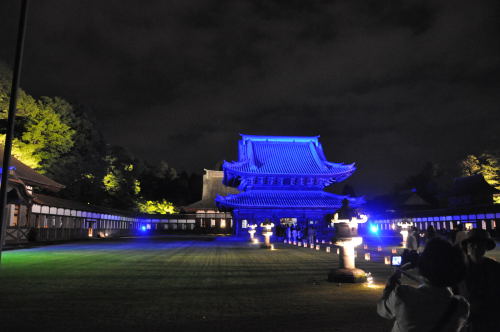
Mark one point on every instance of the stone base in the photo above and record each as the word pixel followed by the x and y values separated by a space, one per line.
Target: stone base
pixel 347 275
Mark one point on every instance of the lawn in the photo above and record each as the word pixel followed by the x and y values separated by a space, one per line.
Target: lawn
pixel 182 284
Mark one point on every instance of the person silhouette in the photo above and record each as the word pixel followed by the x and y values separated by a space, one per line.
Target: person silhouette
pixel 460 235
pixel 431 307
pixel 410 253
pixel 481 285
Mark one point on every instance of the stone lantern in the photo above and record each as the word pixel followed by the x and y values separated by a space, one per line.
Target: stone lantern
pixel 251 231
pixel 346 222
pixel 267 232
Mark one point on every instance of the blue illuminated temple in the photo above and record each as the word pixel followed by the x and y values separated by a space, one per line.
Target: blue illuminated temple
pixel 282 178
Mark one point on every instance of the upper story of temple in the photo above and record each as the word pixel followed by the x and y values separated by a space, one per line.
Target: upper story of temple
pixel 282 162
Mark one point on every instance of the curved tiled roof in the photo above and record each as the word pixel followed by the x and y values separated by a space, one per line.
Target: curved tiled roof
pixel 30 176
pixel 284 156
pixel 283 199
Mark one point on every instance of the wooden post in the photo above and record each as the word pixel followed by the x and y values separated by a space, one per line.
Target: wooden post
pixel 10 121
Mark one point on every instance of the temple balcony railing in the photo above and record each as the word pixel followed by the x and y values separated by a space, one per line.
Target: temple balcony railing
pixel 235 178
pixel 317 183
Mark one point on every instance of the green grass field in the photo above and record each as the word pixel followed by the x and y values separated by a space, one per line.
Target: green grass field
pixel 182 284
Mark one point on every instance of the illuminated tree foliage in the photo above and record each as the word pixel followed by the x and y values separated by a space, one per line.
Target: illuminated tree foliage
pixel 157 207
pixel 41 136
pixel 486 164
pixel 470 165
pixel 121 181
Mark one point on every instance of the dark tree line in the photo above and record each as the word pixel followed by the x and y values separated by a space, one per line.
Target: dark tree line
pixel 61 140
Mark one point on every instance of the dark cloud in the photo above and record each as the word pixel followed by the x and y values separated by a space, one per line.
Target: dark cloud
pixel 387 84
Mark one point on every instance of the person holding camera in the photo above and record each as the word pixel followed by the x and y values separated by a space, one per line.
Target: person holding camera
pixel 431 307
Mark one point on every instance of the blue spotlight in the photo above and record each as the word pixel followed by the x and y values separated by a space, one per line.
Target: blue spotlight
pixel 143 228
pixel 374 229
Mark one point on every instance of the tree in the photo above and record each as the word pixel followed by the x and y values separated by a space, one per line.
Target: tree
pixel 61 140
pixel 157 207
pixel 40 136
pixel 83 167
pixel 426 183
pixel 486 164
pixel 156 180
pixel 121 180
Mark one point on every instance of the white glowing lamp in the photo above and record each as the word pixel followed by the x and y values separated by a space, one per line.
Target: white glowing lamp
pixel 369 278
pixel 267 232
pixel 252 231
pixel 353 223
pixel 405 225
pixel 327 249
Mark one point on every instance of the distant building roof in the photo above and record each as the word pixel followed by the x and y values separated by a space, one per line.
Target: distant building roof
pixel 74 205
pixel 31 177
pixel 471 190
pixel 403 200
pixel 59 202
pixel 16 191
pixel 308 199
pixel 280 155
pixel 474 184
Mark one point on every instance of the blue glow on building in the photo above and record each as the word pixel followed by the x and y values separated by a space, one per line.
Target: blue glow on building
pixel 143 228
pixel 282 177
pixel 11 168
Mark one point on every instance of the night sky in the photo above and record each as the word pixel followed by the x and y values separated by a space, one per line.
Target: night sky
pixel 387 84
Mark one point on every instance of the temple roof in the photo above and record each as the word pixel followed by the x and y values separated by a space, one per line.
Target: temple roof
pixel 30 176
pixel 52 201
pixel 285 155
pixel 308 199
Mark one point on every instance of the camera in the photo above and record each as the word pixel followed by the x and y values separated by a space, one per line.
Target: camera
pixel 396 260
